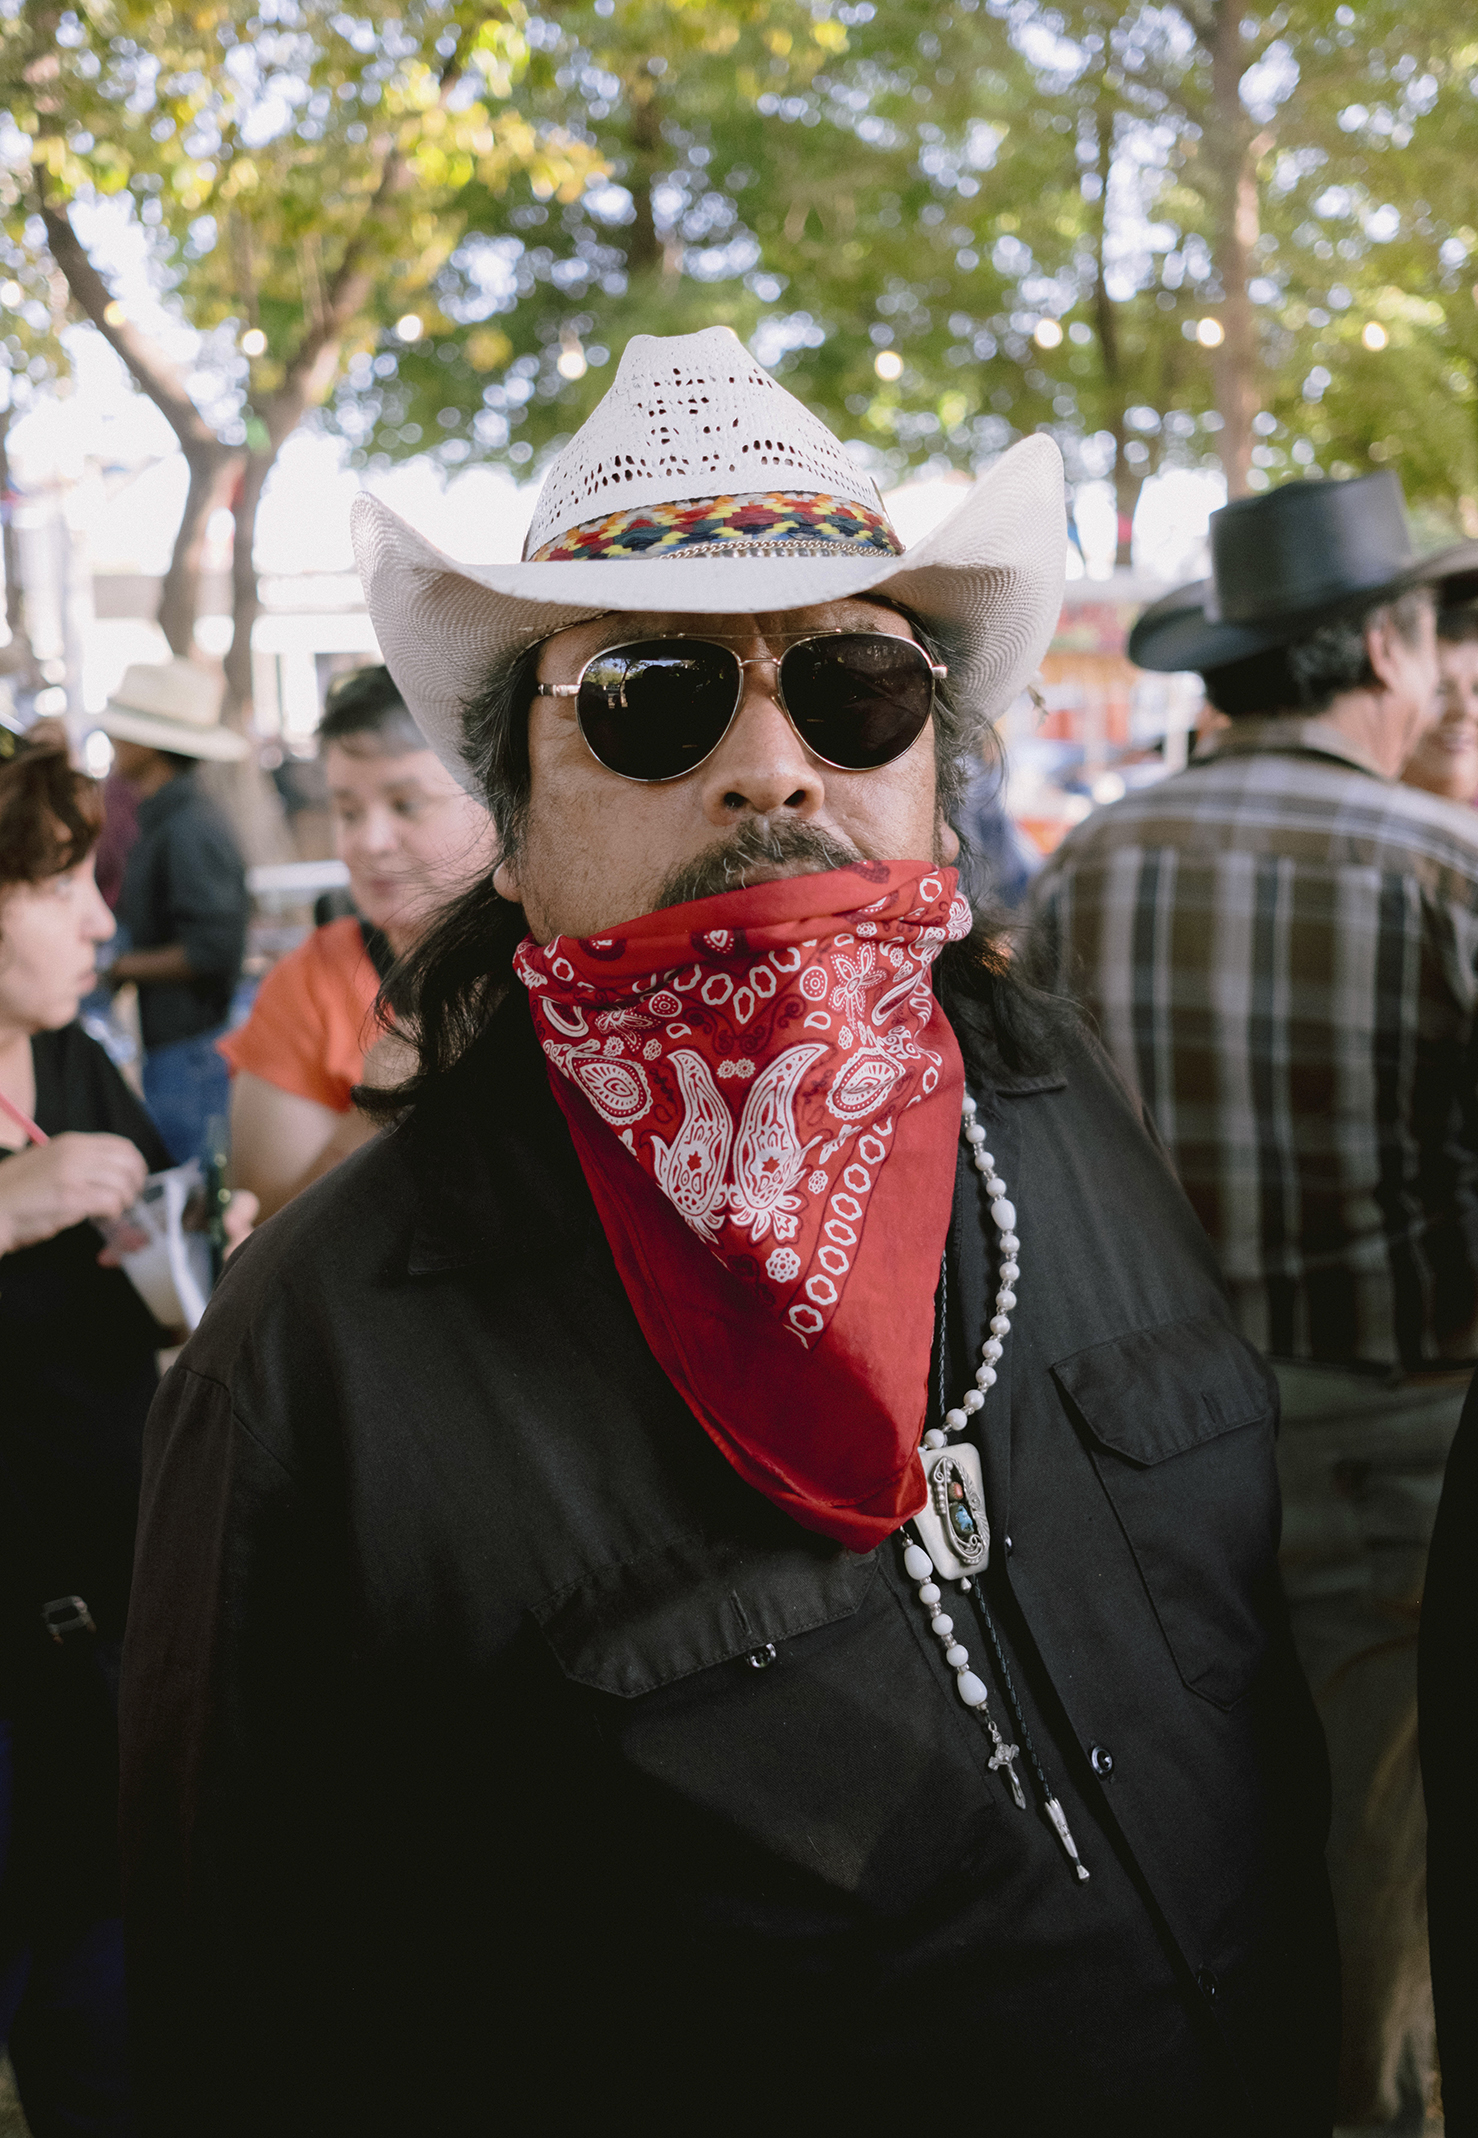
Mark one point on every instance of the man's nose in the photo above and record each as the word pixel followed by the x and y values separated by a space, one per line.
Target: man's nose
pixel 761 765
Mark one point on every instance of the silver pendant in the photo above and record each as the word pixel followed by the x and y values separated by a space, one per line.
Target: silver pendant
pixel 952 1526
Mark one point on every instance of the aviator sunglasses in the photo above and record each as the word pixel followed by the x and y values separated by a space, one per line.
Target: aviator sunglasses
pixel 656 708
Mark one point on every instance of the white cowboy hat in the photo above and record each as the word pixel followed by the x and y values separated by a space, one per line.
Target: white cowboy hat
pixel 172 707
pixel 698 485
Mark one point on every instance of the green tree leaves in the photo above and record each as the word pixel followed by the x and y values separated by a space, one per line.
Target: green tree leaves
pixel 1166 234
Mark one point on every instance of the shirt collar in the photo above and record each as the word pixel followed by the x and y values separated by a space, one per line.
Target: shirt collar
pixel 1304 734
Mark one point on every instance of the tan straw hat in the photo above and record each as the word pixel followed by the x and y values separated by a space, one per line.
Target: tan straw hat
pixel 172 707
pixel 698 485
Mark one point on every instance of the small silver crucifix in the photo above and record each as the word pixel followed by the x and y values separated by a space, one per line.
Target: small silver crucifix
pixel 1003 1756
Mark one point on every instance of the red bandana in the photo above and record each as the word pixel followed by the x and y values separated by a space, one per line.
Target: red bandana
pixel 775 1062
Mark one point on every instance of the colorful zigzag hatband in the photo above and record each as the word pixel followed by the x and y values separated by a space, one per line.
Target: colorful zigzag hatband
pixel 767 523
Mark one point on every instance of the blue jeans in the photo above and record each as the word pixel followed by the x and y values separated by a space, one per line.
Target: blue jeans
pixel 187 1086
pixel 61 2000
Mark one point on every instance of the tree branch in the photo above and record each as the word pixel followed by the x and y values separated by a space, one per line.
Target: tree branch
pixel 152 369
pixel 309 372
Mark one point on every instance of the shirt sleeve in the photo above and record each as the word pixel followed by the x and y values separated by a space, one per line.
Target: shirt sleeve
pixel 286 1040
pixel 206 895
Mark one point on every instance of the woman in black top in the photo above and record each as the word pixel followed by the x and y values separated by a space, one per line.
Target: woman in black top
pixel 77 1351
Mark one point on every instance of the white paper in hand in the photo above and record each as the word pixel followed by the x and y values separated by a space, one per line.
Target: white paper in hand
pixel 170 1268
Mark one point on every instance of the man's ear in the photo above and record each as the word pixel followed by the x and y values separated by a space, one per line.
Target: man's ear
pixel 505 882
pixel 946 841
pixel 1380 647
pixel 1389 650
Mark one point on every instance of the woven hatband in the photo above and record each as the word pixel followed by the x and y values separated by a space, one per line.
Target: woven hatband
pixel 766 524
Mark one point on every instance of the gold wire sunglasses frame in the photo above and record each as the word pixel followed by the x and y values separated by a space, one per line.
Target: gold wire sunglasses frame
pixel 936 671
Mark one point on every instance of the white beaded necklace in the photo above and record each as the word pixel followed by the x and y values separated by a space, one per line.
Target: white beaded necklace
pixel 952 1532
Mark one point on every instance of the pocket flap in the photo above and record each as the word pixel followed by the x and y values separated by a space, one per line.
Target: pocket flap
pixel 697 1602
pixel 1203 1529
pixel 1159 1392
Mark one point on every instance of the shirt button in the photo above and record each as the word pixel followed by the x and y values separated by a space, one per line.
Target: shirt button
pixel 762 1658
pixel 1102 1761
pixel 1207 1983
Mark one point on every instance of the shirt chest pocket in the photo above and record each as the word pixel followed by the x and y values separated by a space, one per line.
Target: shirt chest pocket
pixel 1179 1422
pixel 695 1603
pixel 775 1792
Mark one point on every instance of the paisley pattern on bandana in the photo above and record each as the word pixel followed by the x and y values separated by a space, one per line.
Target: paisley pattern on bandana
pixel 766 523
pixel 760 1081
pixel 776 1063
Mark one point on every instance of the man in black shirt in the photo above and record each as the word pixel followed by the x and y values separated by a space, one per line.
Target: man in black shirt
pixel 549 1674
pixel 184 901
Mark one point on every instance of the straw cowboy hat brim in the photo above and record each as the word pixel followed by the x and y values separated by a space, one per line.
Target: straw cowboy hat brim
pixel 989 579
pixel 172 705
pixel 220 745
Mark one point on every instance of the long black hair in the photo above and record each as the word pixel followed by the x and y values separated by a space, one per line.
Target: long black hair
pixel 443 992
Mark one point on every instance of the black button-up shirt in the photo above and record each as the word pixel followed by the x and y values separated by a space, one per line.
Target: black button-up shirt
pixel 184 883
pixel 449 1777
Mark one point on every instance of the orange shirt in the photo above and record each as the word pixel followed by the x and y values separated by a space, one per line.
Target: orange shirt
pixel 311 1021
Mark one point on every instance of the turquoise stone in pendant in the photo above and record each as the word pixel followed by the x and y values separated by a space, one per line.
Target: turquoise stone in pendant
pixel 952 1526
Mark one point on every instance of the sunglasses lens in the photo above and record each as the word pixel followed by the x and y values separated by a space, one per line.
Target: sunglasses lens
pixel 653 710
pixel 858 700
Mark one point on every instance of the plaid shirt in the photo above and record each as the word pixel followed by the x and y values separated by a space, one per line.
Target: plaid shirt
pixel 1280 949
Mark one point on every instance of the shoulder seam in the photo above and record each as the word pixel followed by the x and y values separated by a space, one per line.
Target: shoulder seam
pixel 212 1380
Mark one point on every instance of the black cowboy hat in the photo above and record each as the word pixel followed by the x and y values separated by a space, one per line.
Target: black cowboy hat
pixel 1286 562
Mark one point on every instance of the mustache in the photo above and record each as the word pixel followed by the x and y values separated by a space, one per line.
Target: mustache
pixel 725 866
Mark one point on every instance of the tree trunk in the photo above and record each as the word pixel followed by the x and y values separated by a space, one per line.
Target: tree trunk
pixel 246 605
pixel 245 791
pixel 645 252
pixel 1128 482
pixel 1234 154
pixel 213 469
pixel 18 659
